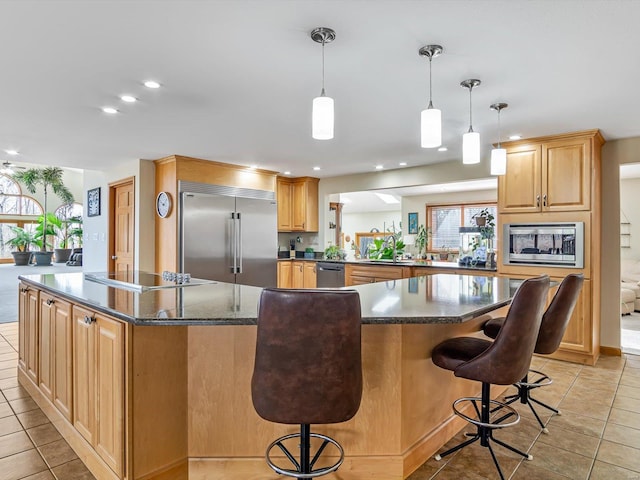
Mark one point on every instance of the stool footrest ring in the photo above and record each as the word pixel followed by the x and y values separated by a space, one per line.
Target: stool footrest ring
pixel 543 381
pixel 297 473
pixel 499 406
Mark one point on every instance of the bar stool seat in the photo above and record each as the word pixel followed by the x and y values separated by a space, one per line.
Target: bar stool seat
pixel 554 324
pixel 308 370
pixel 501 362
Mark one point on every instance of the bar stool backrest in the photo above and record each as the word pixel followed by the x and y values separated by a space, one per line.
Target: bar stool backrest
pixel 508 358
pixel 558 314
pixel 308 367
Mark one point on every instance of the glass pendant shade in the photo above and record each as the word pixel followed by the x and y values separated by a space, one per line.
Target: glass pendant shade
pixel 322 118
pixel 471 148
pixel 498 161
pixel 431 128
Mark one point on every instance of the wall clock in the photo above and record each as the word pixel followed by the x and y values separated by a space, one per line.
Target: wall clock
pixel 163 204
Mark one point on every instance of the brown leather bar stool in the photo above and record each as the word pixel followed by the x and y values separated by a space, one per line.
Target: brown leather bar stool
pixel 501 362
pixel 308 368
pixel 554 323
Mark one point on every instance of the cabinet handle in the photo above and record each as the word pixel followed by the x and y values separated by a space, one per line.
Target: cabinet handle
pixel 51 301
pixel 538 200
pixel 544 200
pixel 89 320
pixel 24 289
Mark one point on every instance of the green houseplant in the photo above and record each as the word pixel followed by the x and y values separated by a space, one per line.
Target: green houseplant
pixel 422 239
pixel 49 178
pixel 22 242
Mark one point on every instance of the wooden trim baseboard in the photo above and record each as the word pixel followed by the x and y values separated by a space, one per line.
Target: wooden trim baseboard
pixel 612 351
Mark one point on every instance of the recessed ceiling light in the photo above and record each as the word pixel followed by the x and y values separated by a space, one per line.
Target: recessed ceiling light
pixel 12 152
pixel 128 98
pixel 443 149
pixel 403 164
pixel 110 110
pixel 386 198
pixel 515 137
pixel 253 167
pixel 287 173
pixel 379 167
pixel 151 84
pixel 316 168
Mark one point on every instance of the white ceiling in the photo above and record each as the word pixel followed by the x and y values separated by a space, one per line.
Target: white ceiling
pixel 238 78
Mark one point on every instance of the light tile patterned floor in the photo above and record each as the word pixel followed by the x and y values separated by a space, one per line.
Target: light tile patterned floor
pixel 597 436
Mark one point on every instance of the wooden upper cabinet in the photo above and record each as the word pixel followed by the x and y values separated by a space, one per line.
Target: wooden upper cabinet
pixel 297 204
pixel 548 174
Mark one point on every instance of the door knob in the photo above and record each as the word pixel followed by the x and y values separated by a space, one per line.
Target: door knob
pixel 114 257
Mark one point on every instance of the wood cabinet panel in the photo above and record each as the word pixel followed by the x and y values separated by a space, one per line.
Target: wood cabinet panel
pixel 358 274
pixel 519 189
pixel 297 274
pixel 297 204
pixel 578 336
pixel 284 274
pixel 46 339
pixel 309 274
pixel 284 196
pixel 31 329
pixel 84 359
pixel 566 169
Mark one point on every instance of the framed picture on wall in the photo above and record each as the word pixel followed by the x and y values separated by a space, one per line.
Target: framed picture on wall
pixel 93 202
pixel 413 223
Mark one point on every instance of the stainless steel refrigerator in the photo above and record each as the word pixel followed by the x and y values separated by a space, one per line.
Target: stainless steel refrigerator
pixel 228 234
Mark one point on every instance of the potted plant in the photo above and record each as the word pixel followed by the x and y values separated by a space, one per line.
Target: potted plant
pixel 308 252
pixel 444 253
pixel 484 218
pixel 422 239
pixel 334 252
pixel 67 231
pixel 50 178
pixel 22 242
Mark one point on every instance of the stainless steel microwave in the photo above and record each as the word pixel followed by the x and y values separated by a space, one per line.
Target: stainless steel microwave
pixel 553 244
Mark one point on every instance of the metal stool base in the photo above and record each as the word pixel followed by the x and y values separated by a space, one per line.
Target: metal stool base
pixel 304 467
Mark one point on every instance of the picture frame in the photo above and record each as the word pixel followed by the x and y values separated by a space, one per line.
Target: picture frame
pixel 413 223
pixel 93 202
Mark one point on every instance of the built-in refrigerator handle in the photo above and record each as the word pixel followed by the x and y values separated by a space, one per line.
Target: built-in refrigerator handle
pixel 239 242
pixel 234 242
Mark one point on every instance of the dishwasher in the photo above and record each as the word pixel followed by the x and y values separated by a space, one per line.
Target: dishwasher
pixel 330 275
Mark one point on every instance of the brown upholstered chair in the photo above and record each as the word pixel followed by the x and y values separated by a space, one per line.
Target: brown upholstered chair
pixel 502 362
pixel 307 368
pixel 554 323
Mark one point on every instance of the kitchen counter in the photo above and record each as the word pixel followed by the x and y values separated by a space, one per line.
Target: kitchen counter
pixel 439 298
pixel 427 264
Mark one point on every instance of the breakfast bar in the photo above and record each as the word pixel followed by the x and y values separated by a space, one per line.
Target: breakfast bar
pixel 153 381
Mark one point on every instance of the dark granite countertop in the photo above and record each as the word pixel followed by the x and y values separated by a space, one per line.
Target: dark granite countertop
pixel 400 263
pixel 432 299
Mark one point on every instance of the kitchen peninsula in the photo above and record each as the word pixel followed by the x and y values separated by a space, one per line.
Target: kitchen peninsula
pixel 155 384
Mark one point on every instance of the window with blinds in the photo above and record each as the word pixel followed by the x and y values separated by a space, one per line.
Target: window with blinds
pixel 446 220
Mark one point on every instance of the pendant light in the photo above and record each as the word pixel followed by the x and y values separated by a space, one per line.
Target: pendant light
pixel 430 118
pixel 498 155
pixel 322 117
pixel 471 139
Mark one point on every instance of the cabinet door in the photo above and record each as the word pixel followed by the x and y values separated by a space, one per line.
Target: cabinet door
pixel 579 334
pixel 62 354
pixel 519 190
pixel 566 175
pixel 299 206
pixel 309 274
pixel 84 360
pixel 284 206
pixel 284 274
pixel 31 327
pixel 297 274
pixel 23 313
pixel 47 326
pixel 109 403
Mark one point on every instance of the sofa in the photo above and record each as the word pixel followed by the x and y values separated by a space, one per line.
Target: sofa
pixel 630 286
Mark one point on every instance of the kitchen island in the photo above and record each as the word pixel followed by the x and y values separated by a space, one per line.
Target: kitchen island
pixel 156 384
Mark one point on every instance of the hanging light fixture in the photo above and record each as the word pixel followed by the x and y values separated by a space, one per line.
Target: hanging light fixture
pixel 471 139
pixel 498 155
pixel 430 118
pixel 322 117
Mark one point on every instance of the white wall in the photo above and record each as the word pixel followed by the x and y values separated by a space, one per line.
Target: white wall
pixel 629 202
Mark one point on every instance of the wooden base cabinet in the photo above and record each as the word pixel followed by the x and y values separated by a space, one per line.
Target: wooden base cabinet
pixel 297 274
pixel 55 344
pixel 98 363
pixel 28 305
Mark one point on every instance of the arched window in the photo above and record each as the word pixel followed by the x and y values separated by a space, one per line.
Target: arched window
pixel 12 202
pixel 65 212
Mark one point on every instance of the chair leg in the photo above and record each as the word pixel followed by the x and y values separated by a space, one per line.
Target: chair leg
pixel 484 431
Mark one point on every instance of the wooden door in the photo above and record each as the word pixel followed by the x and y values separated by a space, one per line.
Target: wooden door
pixel 62 354
pixel 284 274
pixel 122 201
pixel 84 359
pixel 47 325
pixel 566 175
pixel 519 190
pixel 309 275
pixel 31 327
pixel 297 274
pixel 284 205
pixel 109 366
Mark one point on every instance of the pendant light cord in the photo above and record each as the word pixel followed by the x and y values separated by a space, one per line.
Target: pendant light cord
pixel 430 104
pixel 322 94
pixel 499 136
pixel 470 115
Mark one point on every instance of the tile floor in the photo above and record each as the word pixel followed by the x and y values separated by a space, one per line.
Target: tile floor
pixel 597 436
